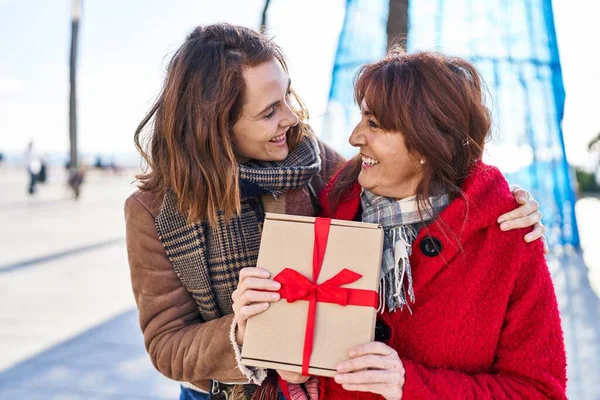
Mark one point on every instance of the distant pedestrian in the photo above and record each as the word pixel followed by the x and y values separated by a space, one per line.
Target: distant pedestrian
pixel 42 177
pixel 33 166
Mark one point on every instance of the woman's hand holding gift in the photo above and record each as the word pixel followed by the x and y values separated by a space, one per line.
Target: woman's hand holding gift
pixel 373 367
pixel 254 293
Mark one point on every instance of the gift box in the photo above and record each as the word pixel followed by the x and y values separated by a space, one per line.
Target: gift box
pixel 329 271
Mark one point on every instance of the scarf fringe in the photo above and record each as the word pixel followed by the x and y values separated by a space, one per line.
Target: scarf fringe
pixel 400 220
pixel 398 279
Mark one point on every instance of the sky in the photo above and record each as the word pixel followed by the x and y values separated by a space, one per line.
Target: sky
pixel 124 49
pixel 125 45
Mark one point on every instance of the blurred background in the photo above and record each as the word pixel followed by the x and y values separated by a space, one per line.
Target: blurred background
pixel 76 77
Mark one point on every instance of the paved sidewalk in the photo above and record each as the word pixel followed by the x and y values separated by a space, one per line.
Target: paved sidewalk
pixel 576 279
pixel 105 362
pixel 68 323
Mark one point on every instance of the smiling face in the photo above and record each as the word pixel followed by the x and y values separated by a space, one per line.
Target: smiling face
pixel 388 168
pixel 261 131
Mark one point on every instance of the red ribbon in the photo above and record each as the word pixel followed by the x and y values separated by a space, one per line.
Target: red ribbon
pixel 295 286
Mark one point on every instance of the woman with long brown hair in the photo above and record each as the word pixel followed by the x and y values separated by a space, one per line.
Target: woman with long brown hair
pixel 227 140
pixel 469 312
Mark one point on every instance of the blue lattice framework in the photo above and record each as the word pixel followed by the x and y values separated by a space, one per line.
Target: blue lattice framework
pixel 513 44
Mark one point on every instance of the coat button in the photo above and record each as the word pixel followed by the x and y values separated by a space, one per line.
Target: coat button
pixel 382 332
pixel 431 246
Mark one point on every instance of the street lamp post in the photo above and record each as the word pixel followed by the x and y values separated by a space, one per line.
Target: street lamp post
pixel 74 180
pixel 263 20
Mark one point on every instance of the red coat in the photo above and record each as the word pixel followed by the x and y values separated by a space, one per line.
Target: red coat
pixel 485 323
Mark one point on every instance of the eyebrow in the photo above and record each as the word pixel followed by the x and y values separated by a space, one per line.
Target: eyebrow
pixel 365 112
pixel 275 102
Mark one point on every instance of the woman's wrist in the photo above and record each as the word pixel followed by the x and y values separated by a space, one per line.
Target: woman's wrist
pixel 239 335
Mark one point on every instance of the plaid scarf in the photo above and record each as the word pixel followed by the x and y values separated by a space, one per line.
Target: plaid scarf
pixel 278 177
pixel 208 259
pixel 401 222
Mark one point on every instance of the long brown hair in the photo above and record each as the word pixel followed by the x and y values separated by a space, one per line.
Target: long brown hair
pixel 190 150
pixel 437 103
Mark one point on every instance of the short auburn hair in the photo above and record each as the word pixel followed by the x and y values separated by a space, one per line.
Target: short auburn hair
pixel 189 148
pixel 437 102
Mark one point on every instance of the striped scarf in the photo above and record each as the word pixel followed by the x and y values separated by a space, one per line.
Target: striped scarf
pixel 401 221
pixel 309 390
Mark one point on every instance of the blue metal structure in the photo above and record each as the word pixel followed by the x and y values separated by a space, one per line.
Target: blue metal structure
pixel 513 44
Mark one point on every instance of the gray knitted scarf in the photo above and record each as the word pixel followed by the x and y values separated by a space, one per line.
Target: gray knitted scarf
pixel 401 222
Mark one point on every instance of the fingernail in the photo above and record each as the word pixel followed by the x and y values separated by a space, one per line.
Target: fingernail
pixel 339 378
pixel 522 199
pixel 275 296
pixel 353 353
pixel 265 305
pixel 504 227
pixel 501 220
pixel 276 285
pixel 528 238
pixel 341 367
pixel 265 274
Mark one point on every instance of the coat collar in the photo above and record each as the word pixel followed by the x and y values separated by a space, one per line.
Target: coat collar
pixel 485 197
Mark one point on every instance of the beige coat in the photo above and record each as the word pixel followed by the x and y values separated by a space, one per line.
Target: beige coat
pixel 180 345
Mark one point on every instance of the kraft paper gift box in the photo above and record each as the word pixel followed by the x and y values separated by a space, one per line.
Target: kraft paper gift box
pixel 341 308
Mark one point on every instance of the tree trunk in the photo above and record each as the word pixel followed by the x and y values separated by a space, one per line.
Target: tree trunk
pixel 397 24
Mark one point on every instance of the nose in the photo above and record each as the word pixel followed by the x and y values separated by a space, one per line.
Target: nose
pixel 357 138
pixel 290 118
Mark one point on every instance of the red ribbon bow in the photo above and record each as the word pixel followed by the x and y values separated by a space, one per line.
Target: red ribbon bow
pixel 295 286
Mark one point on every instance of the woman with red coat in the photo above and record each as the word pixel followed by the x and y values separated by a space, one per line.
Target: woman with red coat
pixel 468 311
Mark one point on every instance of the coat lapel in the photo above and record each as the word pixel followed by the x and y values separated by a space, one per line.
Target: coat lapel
pixel 185 245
